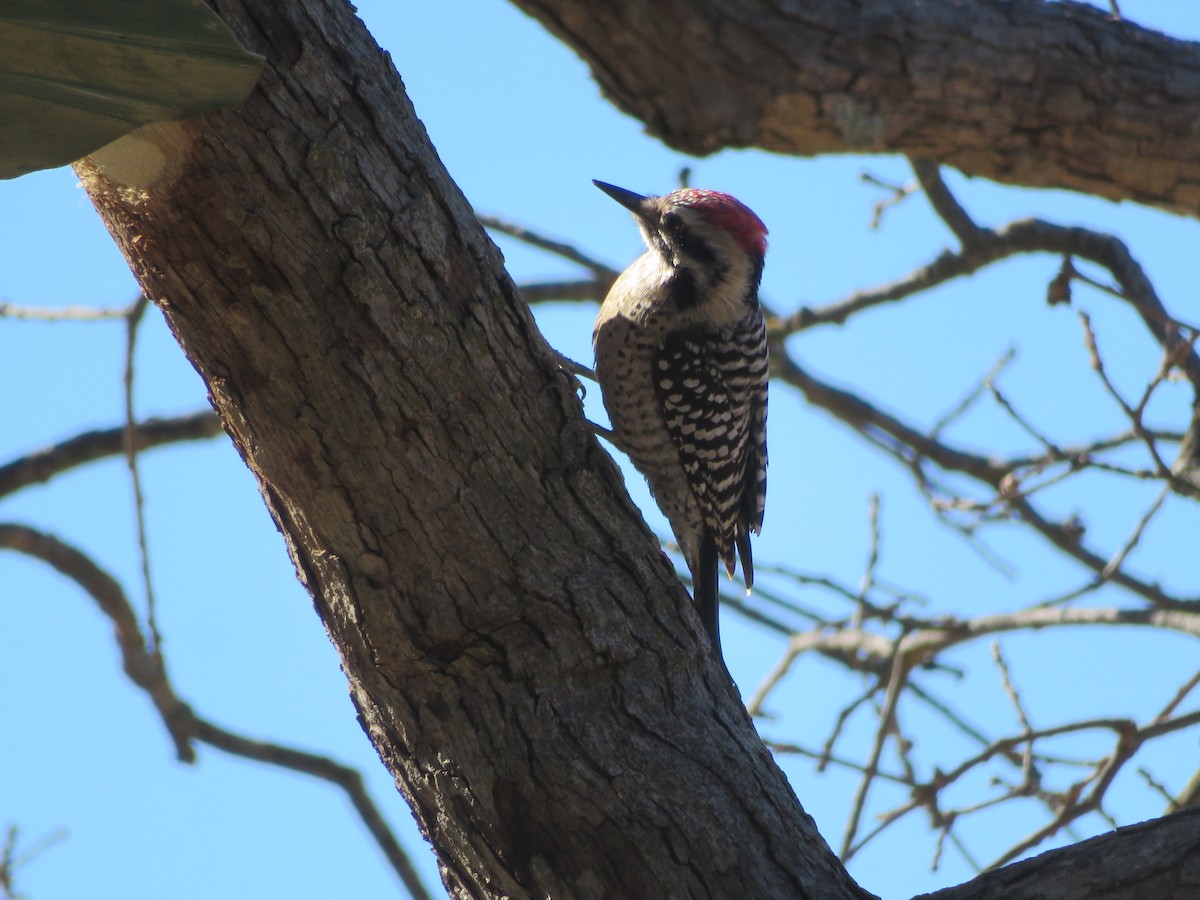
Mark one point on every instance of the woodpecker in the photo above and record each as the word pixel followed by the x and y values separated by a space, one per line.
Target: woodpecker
pixel 681 358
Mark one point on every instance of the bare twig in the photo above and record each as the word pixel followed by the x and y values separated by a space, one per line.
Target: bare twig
pixel 898 192
pixel 981 247
pixel 1089 339
pixel 11 861
pixel 1158 788
pixel 736 602
pixel 910 445
pixel 1087 452
pixel 797 750
pixel 347 778
pixel 1180 695
pixel 42 465
pixel 133 320
pixel 592 289
pixel 950 715
pixel 1027 771
pixel 1010 689
pixel 945 205
pixel 948 266
pixel 796 646
pixel 1024 424
pixel 868 576
pixel 1114 564
pixel 972 396
pixel 839 724
pixel 1129 739
pixel 896 681
pixel 63 314
pixel 1189 796
pixel 147 670
pixel 558 248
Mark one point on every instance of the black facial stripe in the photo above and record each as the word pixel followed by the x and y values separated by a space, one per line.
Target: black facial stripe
pixel 695 247
pixel 682 288
pixel 661 244
pixel 756 275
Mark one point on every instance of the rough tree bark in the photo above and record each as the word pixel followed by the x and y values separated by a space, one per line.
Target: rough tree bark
pixel 1022 91
pixel 517 646
pixel 518 649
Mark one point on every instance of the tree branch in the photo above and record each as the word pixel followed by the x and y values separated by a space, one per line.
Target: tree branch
pixel 510 632
pixel 911 446
pixel 1022 92
pixel 143 664
pixel 1113 866
pixel 348 779
pixel 146 668
pixel 42 465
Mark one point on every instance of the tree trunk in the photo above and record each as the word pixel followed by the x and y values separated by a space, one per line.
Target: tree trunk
pixel 1023 91
pixel 519 650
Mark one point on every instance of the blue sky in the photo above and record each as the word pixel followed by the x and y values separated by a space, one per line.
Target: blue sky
pixel 522 129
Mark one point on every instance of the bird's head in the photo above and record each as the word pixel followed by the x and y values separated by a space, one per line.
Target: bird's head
pixel 708 245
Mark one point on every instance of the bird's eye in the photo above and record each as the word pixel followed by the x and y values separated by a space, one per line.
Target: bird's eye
pixel 672 223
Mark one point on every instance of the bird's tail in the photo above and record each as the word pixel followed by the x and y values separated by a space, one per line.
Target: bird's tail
pixel 747 558
pixel 707 587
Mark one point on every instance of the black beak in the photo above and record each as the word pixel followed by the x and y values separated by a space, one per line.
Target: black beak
pixel 628 199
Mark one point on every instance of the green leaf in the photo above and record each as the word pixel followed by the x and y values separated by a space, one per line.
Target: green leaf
pixel 75 76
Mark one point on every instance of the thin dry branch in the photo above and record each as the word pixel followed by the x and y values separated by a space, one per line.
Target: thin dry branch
pixel 1180 695
pixel 947 267
pixel 589 290
pixel 797 750
pixel 579 290
pixel 133 321
pixel 42 465
pixel 1053 451
pixel 145 667
pixel 559 248
pixel 1135 419
pixel 972 396
pixel 983 246
pixel 1134 538
pixel 946 205
pixel 1014 697
pixel 62 314
pixel 886 660
pixel 920 642
pixel 898 193
pixel 911 446
pixel 1100 445
pixel 1034 235
pixel 868 652
pixel 142 664
pixel 868 577
pixel 898 676
pixel 1130 739
pixel 11 860
pixel 1067 805
pixel 844 715
pixel 347 778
